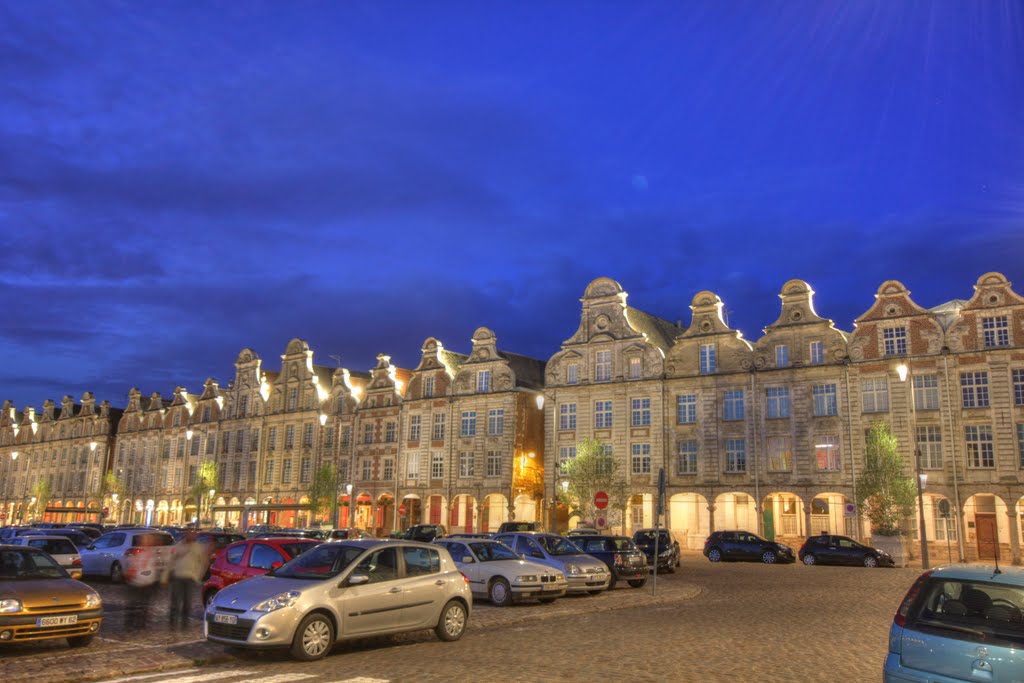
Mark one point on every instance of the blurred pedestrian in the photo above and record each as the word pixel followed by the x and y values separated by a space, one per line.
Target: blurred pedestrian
pixel 184 572
pixel 142 577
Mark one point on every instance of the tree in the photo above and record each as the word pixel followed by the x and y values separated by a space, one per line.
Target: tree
pixel 110 486
pixel 41 492
pixel 885 493
pixel 322 490
pixel 592 470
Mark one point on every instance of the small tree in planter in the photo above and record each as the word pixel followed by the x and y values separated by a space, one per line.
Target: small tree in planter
pixel 884 492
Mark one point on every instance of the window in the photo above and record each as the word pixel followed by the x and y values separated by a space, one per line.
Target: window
pixel 735 455
pixel 191 475
pixel 367 465
pixel 572 373
pixel 238 475
pixel 945 525
pixel 389 469
pixel 289 437
pixel 996 330
pixel 778 401
pixel 428 387
pixel 421 561
pixel 926 392
pixel 567 416
pixel 469 423
pixel 268 472
pixel 254 442
pixel 206 414
pixel 305 471
pixel 272 439
pixel 329 437
pixel 781 356
pixel 874 395
pixel 1018 387
pixel 293 398
pixel 466 459
pixel 686 457
pixel 894 340
pixel 414 427
pixel 390 436
pixel 686 409
pixel 437 466
pixel 979 446
pixel 412 466
pixel 225 443
pixel 634 368
pixel 817 353
pixel 346 436
pixel 307 435
pixel 493 464
pixel 565 453
pixel 826 453
pixel 252 473
pixel 974 389
pixel 177 477
pixel 641 458
pixel 181 448
pixel 780 454
pixel 368 433
pixel 1020 444
pixel 243 406
pixel 707 359
pixel 641 412
pixel 603 367
pixel 195 445
pixel 438 434
pixel 483 381
pixel 732 405
pixel 286 471
pixel 929 445
pixel 602 414
pixel 496 422
pixel 177 420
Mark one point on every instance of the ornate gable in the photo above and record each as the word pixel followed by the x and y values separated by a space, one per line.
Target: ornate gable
pixel 894 309
pixel 994 303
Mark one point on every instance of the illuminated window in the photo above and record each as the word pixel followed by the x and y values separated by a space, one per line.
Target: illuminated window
pixel 466 462
pixel 634 368
pixel 826 454
pixel 412 466
pixel 437 466
pixel 780 454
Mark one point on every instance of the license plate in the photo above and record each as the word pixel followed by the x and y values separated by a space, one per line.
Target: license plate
pixel 57 621
pixel 225 618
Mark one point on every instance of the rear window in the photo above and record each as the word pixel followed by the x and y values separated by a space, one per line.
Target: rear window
pixel 294 549
pixel 974 611
pixel 152 540
pixel 54 546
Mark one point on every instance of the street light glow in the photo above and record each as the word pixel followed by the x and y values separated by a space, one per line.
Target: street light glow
pixel 902 370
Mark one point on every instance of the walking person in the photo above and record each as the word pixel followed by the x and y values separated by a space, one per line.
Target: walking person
pixel 185 571
pixel 142 576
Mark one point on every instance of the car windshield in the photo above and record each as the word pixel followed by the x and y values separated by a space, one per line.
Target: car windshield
pixel 294 549
pixel 322 562
pixel 556 545
pixel 16 565
pixel 975 611
pixel 647 537
pixel 492 552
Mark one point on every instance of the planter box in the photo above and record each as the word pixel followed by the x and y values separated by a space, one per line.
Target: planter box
pixel 892 545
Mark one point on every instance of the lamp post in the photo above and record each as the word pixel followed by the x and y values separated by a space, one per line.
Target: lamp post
pixel 14 465
pixel 903 370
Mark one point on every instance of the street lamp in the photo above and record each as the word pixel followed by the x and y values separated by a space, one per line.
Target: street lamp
pixel 903 370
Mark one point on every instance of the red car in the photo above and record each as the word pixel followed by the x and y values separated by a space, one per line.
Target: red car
pixel 252 557
pixel 217 540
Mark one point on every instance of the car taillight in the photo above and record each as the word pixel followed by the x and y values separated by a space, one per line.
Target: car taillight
pixel 77 562
pixel 133 551
pixel 619 559
pixel 901 614
pixel 466 578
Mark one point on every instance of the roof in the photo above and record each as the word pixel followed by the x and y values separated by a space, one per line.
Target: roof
pixel 658 331
pixel 1013 576
pixel 529 371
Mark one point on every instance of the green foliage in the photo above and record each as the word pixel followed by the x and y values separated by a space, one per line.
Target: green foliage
pixel 41 492
pixel 322 490
pixel 884 492
pixel 589 472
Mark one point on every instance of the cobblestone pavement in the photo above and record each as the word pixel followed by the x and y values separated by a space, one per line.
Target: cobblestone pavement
pixel 706 622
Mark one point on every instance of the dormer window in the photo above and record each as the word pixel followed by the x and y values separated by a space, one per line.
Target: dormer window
pixel 895 341
pixel 781 356
pixel 428 387
pixel 996 330
pixel 483 381
pixel 635 367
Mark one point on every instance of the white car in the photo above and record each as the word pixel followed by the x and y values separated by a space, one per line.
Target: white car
pixel 60 548
pixel 497 573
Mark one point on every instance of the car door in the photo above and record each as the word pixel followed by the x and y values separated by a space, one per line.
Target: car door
pixel 262 558
pixel 532 550
pixel 849 551
pixel 424 589
pixel 472 570
pixel 98 560
pixel 373 606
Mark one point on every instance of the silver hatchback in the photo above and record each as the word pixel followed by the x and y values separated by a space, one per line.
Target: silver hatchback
pixel 341 591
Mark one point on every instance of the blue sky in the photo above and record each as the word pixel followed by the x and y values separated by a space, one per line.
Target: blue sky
pixel 179 180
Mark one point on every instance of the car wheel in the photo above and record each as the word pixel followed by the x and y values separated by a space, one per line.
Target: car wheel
pixel 313 638
pixel 715 555
pixel 499 593
pixel 614 580
pixel 80 641
pixel 809 559
pixel 870 561
pixel 116 573
pixel 638 583
pixel 769 557
pixel 452 623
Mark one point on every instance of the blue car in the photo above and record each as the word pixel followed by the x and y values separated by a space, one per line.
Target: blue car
pixel 959 623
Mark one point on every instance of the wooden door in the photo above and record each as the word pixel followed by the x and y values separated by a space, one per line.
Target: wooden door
pixel 985 526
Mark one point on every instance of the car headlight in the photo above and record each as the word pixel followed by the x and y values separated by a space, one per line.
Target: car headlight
pixel 783 548
pixel 277 602
pixel 93 600
pixel 665 553
pixel 572 568
pixel 10 605
pixel 527 578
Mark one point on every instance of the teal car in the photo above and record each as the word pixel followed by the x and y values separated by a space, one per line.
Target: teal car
pixel 959 623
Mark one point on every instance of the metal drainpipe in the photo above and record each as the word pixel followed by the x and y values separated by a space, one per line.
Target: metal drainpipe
pixel 753 442
pixel 849 437
pixel 952 433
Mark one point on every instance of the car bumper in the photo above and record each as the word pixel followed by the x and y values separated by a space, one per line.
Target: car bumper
pixel 629 573
pixel 20 628
pixel 536 591
pixel 582 583
pixel 252 630
pixel 894 672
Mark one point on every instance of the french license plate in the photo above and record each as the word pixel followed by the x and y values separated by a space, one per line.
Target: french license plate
pixel 57 621
pixel 225 618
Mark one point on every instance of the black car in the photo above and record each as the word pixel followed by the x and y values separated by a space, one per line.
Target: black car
pixel 515 527
pixel 425 532
pixel 745 546
pixel 830 549
pixel 668 547
pixel 625 560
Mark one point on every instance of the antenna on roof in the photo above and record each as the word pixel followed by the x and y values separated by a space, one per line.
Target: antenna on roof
pixel 337 359
pixel 996 544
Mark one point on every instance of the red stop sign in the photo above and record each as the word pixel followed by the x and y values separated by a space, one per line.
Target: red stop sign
pixel 601 500
pixel 106 511
pixel 402 509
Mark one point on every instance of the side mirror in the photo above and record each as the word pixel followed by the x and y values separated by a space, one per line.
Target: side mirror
pixel 467 559
pixel 358 579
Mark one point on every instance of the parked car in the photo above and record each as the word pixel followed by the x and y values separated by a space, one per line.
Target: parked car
pixel 584 573
pixel 59 548
pixel 745 546
pixel 831 549
pixel 512 527
pixel 217 540
pixel 497 573
pixel 582 531
pixel 424 532
pixel 959 623
pixel 93 531
pixel 39 600
pixel 75 535
pixel 252 557
pixel 623 558
pixel 347 533
pixel 466 534
pixel 110 553
pixel 261 529
pixel 668 548
pixel 340 591
pixel 288 533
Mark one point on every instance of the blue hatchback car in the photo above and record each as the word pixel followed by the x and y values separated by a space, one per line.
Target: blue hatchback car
pixel 959 623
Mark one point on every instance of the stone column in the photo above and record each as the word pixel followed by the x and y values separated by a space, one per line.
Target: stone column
pixel 807 520
pixel 1014 526
pixel 711 519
